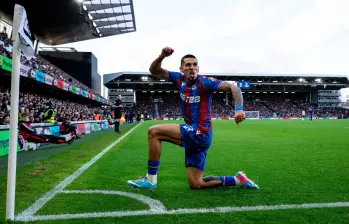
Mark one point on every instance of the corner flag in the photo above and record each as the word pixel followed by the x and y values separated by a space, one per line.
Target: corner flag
pixel 21 30
pixel 22 40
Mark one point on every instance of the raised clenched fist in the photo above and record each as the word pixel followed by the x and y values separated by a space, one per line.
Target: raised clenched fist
pixel 239 116
pixel 167 51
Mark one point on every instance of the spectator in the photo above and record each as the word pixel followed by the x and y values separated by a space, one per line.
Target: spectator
pixel 49 114
pixel 5 106
pixel 5 120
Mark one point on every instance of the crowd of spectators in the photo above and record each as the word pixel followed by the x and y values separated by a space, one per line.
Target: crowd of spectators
pixel 37 62
pixel 162 106
pixel 34 105
pixel 268 105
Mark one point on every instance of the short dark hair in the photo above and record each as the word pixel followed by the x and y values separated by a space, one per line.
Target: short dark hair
pixel 187 56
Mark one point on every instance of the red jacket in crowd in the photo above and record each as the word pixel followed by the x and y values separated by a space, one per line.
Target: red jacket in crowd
pixel 64 126
pixel 25 129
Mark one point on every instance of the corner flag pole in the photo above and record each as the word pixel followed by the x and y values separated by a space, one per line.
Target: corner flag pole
pixel 22 41
pixel 12 158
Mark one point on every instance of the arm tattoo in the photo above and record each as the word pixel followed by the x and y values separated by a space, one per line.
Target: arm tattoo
pixel 225 87
pixel 236 92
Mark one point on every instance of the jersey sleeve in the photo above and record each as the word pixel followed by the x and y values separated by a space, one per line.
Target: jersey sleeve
pixel 211 84
pixel 175 77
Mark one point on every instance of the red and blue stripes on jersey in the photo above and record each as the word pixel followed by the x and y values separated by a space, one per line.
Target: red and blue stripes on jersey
pixel 205 121
pixel 196 100
pixel 179 80
pixel 187 108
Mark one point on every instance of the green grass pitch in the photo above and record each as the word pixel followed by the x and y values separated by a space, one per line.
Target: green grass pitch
pixel 294 162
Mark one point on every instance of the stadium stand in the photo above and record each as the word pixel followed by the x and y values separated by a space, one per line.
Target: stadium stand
pixel 69 97
pixel 41 81
pixel 284 105
pixel 277 97
pixel 41 64
pixel 34 103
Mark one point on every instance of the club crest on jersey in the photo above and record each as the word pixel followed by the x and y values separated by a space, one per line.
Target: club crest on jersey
pixel 190 99
pixel 193 87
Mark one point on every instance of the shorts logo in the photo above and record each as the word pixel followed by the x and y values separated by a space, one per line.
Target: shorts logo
pixel 188 128
pixel 190 99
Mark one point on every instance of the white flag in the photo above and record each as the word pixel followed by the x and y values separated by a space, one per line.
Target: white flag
pixel 21 30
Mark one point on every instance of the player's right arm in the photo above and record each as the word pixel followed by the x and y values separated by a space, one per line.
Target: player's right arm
pixel 155 67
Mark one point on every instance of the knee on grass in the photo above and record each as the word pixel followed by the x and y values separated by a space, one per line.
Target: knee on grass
pixel 195 185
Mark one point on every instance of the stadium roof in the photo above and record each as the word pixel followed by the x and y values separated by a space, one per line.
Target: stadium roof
pixel 59 49
pixel 56 22
pixel 258 81
pixel 111 17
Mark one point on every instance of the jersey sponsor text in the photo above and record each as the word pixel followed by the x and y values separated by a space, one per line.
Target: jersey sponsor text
pixel 190 99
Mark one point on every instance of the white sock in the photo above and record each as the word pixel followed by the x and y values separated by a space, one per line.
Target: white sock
pixel 152 178
pixel 237 181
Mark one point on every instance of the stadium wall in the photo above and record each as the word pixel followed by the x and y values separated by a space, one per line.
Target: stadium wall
pixel 314 97
pixel 83 128
pixel 97 81
pixel 80 65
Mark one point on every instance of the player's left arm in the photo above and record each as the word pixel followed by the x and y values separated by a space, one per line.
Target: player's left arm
pixel 236 93
pixel 237 99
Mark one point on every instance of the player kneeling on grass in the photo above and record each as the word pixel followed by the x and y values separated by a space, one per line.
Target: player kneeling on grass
pixel 195 135
pixel 29 135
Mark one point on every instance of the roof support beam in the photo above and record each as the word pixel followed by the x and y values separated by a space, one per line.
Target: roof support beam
pixel 94 7
pixel 106 15
pixel 110 22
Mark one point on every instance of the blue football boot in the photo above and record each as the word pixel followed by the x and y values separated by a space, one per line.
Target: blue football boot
pixel 141 183
pixel 244 181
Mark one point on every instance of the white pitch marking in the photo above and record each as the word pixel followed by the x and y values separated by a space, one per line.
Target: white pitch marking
pixel 36 206
pixel 184 211
pixel 154 205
